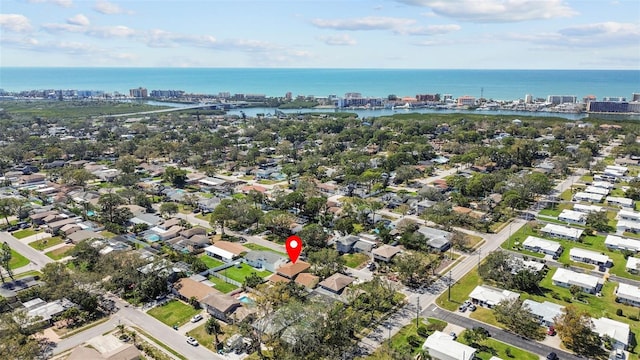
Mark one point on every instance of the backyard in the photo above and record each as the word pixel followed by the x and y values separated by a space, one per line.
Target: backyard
pixel 355 260
pixel 210 262
pixel 221 285
pixel 207 340
pixel 253 246
pixel 241 271
pixel 173 313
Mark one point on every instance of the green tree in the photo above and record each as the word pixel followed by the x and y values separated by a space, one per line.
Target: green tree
pixel 221 214
pixel 314 237
pixel 5 259
pixel 413 268
pixel 518 318
pixel 253 280
pixel 177 177
pixel 575 329
pixel 212 327
pixel 168 208
pixel 598 221
pixel 85 255
pixel 326 262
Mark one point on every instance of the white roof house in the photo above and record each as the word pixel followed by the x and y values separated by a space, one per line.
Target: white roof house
pixel 588 208
pixel 537 244
pixel 588 256
pixel 442 346
pixel 560 231
pixel 215 251
pixel 628 215
pixel 621 169
pixel 621 201
pixel 566 278
pixel 602 184
pixel 616 330
pixel 597 190
pixel 572 216
pixel 491 296
pixel 621 243
pixel 628 294
pixel 628 225
pixel 633 264
pixel 546 311
pixel 587 196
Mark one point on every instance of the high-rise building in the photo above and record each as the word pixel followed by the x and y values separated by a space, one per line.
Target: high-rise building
pixel 466 100
pixel 528 99
pixel 635 97
pixel 138 93
pixel 561 99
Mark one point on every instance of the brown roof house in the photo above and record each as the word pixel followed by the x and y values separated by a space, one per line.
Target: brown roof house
pixel 307 280
pixel 385 252
pixel 336 283
pixel 216 303
pixel 291 270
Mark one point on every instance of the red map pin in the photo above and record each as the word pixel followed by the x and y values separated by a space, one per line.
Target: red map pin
pixel 294 247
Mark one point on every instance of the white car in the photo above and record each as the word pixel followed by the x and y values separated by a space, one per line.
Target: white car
pixel 196 318
pixel 192 341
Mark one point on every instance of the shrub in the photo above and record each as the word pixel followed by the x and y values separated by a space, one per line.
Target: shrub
pixel 414 340
pixel 619 312
pixel 423 331
pixel 633 317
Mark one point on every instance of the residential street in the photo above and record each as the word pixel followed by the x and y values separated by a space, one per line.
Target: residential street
pixel 37 258
pixel 408 312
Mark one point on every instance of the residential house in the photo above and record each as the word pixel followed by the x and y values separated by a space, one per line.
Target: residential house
pixel 225 250
pixel 149 219
pixel 589 257
pixel 620 201
pixel 336 283
pixel 633 265
pixel 628 294
pixel 385 252
pixel 544 246
pixel 122 352
pixel 562 232
pixel 597 190
pixel 628 215
pixel 81 235
pixel 444 347
pixel 37 218
pixel 602 184
pixel 266 260
pixel 489 297
pixel 439 240
pixel 614 242
pixel 573 217
pixel 220 306
pixel 623 226
pixel 587 283
pixel 345 244
pixel 40 311
pixel 588 197
pixel 309 281
pixel 588 208
pixel 545 311
pixel 291 270
pixel 618 332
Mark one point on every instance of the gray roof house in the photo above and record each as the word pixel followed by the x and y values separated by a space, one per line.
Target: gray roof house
pixel 345 243
pixel 265 260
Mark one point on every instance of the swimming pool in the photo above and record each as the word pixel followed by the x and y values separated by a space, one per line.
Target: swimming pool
pixel 246 300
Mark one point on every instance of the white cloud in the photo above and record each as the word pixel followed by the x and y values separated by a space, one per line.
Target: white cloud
pixel 338 40
pixel 490 11
pixel 63 3
pixel 60 28
pixel 597 35
pixel 79 20
pixel 365 23
pixel 434 29
pixel 109 8
pixel 106 32
pixel 15 23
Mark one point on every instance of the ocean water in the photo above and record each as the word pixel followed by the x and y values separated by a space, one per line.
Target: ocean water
pixel 492 84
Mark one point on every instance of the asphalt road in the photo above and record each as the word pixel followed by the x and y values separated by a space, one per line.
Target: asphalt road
pixel 498 334
pixel 38 259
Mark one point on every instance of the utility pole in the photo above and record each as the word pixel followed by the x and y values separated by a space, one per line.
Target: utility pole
pixel 479 253
pixel 417 311
pixel 449 282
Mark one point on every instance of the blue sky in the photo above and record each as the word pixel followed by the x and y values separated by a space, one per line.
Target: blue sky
pixel 433 34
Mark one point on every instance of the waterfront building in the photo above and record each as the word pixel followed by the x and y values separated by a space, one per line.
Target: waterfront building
pixel 466 100
pixel 138 93
pixel 561 99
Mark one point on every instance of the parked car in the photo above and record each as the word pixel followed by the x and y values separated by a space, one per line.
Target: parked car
pixel 472 307
pixel 552 356
pixel 463 308
pixel 191 341
pixel 551 331
pixel 196 318
pixel 453 335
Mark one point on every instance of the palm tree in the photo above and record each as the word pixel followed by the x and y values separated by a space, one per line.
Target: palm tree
pixel 212 327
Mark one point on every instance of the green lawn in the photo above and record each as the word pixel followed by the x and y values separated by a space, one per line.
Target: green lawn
pixel 566 195
pixel 207 340
pixel 355 260
pixel 253 246
pixel 492 347
pixel 209 261
pixel 486 316
pixel 239 274
pixel 399 341
pixel 21 234
pixel 222 286
pixel 17 260
pixel 28 273
pixel 45 243
pixel 59 253
pixel 173 313
pixel 550 212
pixel 459 291
pixel 586 178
